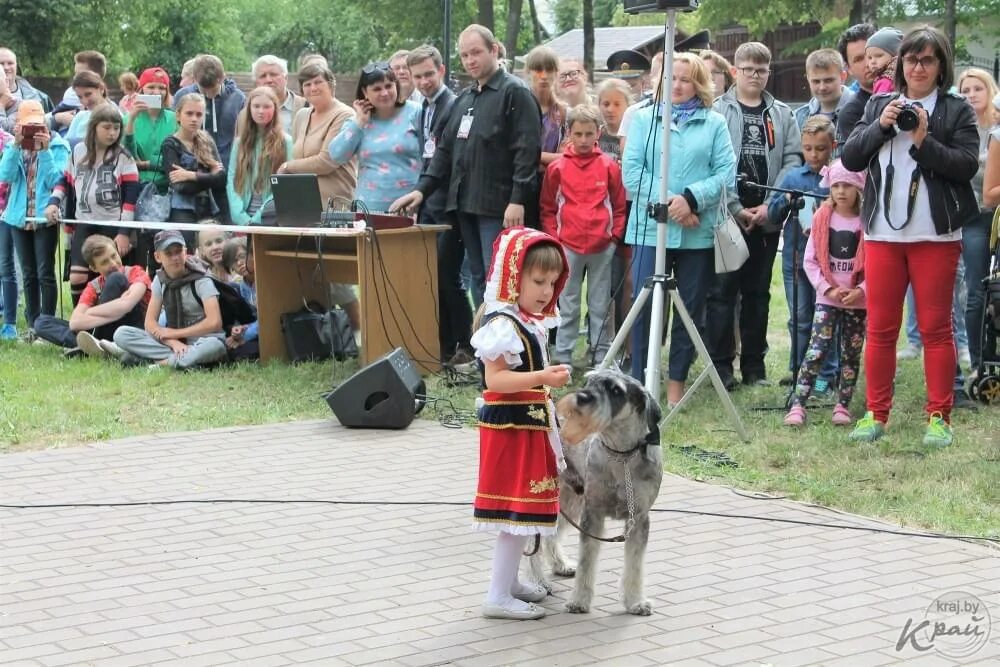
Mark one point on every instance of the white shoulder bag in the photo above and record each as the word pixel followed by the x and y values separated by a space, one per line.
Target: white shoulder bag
pixel 731 250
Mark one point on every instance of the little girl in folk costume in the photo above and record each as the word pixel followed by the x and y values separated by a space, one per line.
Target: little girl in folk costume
pixel 835 265
pixel 520 454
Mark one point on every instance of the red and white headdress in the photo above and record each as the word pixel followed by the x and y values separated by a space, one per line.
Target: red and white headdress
pixel 503 282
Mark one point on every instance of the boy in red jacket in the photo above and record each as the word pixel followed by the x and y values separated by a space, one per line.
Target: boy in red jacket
pixel 583 205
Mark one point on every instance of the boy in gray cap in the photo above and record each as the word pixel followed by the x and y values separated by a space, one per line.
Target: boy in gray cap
pixel 880 52
pixel 184 291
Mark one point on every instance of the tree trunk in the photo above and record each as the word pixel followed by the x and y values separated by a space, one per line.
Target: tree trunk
pixel 864 11
pixel 950 21
pixel 513 28
pixel 588 38
pixel 485 13
pixel 538 31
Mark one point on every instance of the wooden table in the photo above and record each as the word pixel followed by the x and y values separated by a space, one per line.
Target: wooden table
pixel 395 271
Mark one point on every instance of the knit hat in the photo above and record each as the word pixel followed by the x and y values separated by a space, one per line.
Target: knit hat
pixel 838 173
pixel 887 39
pixel 154 75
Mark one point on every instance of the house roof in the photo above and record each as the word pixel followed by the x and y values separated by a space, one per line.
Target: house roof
pixel 606 42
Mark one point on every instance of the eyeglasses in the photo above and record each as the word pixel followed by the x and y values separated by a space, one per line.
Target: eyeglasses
pixel 572 74
pixel 925 63
pixel 371 68
pixel 754 72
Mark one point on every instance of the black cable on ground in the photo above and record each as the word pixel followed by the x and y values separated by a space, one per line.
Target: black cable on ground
pixel 443 503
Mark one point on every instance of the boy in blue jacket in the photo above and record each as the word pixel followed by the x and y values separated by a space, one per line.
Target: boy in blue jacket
pixel 818 142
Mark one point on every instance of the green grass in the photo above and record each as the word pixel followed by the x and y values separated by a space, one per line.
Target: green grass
pixel 46 401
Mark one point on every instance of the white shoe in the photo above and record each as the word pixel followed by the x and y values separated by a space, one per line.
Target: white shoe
pixel 911 351
pixel 111 348
pixel 90 345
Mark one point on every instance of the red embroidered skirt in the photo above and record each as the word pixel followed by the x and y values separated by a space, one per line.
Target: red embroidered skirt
pixel 518 490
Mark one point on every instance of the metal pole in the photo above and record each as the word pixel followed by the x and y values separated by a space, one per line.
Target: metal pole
pixel 446 51
pixel 660 265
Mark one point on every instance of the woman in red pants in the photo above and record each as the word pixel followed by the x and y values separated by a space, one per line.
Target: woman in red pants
pixel 920 146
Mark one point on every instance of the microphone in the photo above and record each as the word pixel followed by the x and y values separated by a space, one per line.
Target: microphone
pixel 745 187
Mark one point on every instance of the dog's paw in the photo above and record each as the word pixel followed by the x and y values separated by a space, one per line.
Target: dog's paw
pixel 576 607
pixel 564 569
pixel 546 584
pixel 642 608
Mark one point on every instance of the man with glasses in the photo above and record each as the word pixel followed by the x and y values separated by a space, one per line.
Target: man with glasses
pixel 767 144
pixel 488 155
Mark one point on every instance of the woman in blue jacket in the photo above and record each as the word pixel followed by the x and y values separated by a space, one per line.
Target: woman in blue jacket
pixel 31 173
pixel 702 165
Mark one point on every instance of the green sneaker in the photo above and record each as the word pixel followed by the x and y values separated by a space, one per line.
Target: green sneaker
pixel 867 429
pixel 938 433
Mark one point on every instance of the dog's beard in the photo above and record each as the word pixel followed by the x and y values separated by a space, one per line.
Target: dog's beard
pixel 576 425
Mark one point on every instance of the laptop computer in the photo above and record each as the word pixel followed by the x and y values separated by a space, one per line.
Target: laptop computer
pixel 297 201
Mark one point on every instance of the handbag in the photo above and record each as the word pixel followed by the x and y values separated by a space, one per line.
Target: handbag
pixel 151 206
pixel 315 334
pixel 731 250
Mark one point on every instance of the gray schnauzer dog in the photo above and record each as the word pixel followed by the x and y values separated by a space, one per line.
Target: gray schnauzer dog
pixel 615 471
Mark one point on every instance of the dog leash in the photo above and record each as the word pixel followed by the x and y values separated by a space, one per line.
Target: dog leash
pixel 622 457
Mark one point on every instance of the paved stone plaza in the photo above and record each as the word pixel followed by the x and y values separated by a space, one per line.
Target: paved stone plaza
pixel 282 584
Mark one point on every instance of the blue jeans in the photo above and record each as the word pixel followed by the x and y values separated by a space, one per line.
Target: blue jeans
pixel 976 255
pixel 8 275
pixel 694 271
pixel 806 309
pixel 36 251
pixel 478 234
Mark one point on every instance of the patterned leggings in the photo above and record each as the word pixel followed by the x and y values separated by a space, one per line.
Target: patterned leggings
pixel 852 337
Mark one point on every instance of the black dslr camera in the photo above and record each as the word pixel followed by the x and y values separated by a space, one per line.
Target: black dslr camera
pixel 908 119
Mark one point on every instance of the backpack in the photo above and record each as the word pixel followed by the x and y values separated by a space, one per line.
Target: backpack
pixel 234 309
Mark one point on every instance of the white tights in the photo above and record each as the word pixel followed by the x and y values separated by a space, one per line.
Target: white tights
pixel 503 580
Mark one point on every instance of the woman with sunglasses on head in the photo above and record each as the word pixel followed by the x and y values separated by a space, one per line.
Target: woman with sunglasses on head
pixel 384 135
pixel 920 146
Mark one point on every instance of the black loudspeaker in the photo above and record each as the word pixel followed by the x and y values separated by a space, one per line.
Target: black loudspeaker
pixel 387 393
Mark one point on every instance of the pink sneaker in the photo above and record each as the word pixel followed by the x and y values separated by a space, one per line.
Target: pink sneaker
pixel 796 416
pixel 841 416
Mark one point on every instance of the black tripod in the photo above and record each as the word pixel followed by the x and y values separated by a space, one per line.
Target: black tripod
pixel 795 204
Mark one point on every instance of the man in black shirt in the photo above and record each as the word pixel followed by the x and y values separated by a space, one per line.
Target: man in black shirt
pixel 488 155
pixel 426 70
pixel 852 47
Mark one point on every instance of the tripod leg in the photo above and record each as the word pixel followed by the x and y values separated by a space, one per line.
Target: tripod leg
pixel 699 344
pixel 626 327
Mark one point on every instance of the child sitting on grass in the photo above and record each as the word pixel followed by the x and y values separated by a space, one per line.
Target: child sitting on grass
pixel 194 335
pixel 117 297
pixel 242 340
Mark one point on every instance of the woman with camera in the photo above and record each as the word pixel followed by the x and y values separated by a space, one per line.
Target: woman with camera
pixel 920 147
pixel 32 162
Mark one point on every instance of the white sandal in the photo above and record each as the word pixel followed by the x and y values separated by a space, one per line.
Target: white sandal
pixel 532 612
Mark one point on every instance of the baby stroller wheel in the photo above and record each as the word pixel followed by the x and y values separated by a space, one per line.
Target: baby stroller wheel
pixel 974 388
pixel 988 389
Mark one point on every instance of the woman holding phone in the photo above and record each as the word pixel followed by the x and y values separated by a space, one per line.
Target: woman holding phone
pixel 147 125
pixel 384 134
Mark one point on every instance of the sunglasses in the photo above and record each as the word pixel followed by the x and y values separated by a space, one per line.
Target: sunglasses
pixel 372 68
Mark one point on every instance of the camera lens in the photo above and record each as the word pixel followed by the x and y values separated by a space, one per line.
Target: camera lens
pixel 907 120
